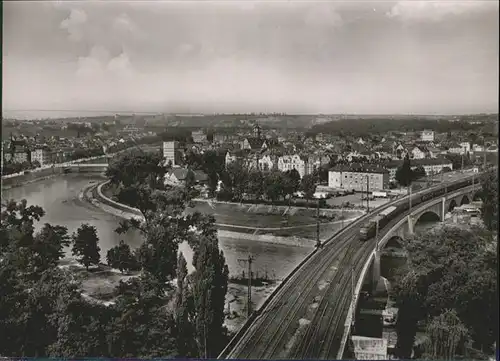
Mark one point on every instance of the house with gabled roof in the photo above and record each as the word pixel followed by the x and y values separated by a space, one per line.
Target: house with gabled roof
pixel 420 152
pixel 251 143
pixel 178 176
pixel 295 161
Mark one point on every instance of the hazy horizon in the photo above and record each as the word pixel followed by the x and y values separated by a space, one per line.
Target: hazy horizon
pixel 33 115
pixel 331 58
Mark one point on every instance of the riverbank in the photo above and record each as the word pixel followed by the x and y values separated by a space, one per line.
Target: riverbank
pixel 33 176
pixel 262 222
pixel 48 171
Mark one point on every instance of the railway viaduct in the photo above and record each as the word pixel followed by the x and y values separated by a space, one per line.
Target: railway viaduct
pixel 404 229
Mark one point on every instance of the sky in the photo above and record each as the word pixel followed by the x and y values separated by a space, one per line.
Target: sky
pixel 371 57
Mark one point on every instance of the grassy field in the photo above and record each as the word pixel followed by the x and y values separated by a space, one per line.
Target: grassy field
pixel 264 216
pixel 265 219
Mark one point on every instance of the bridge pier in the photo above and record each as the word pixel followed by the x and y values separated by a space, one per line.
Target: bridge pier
pixel 376 271
pixel 410 225
pixel 443 209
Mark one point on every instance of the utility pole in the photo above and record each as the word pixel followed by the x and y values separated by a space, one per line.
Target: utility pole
pixel 249 260
pixel 318 242
pixel 472 186
pixel 409 199
pixel 353 295
pixel 462 163
pixel 342 214
pixel 367 194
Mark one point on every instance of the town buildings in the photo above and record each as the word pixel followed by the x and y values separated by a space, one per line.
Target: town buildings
pixel 427 136
pixel 420 152
pixel 178 176
pixel 17 151
pixel 199 136
pixel 40 155
pixel 455 148
pixel 431 166
pixel 17 156
pixel 358 177
pixel 268 162
pixel 295 161
pixel 171 153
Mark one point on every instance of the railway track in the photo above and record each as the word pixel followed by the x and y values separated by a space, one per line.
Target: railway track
pixel 289 327
pixel 319 343
pixel 279 347
pixel 312 338
pixel 287 311
pixel 246 347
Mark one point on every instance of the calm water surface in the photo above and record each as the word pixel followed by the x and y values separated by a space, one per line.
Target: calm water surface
pixel 59 198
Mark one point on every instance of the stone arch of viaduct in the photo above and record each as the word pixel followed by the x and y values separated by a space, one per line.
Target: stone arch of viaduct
pixel 405 227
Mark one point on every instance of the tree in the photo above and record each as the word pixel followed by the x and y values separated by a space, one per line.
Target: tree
pixel 274 186
pixel 308 186
pixel 255 184
pixel 458 159
pixel 34 252
pixel 209 292
pixel 489 196
pixel 17 226
pixel 164 227
pixel 48 246
pixel 190 180
pixel 404 173
pixel 409 301
pixel 143 326
pixel 31 281
pixel 419 172
pixel 122 258
pixel 131 168
pixel 450 268
pixel 291 182
pixel 184 310
pixel 86 322
pixel 158 254
pixel 85 245
pixel 449 337
pixel 238 178
pixel 213 164
pixel 193 159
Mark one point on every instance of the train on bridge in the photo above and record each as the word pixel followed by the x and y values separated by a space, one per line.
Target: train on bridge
pixel 369 229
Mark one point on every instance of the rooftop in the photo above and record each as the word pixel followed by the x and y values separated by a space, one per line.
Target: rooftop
pixel 360 168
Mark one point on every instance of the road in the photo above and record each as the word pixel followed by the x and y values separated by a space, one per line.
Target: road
pixel 305 320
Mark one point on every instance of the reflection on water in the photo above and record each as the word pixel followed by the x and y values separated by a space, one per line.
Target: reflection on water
pixel 59 198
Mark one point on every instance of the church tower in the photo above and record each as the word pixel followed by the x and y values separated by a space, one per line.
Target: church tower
pixel 256 131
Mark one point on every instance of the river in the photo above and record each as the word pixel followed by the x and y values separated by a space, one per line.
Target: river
pixel 59 197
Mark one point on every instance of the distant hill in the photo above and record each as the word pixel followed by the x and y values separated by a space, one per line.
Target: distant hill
pixel 239 120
